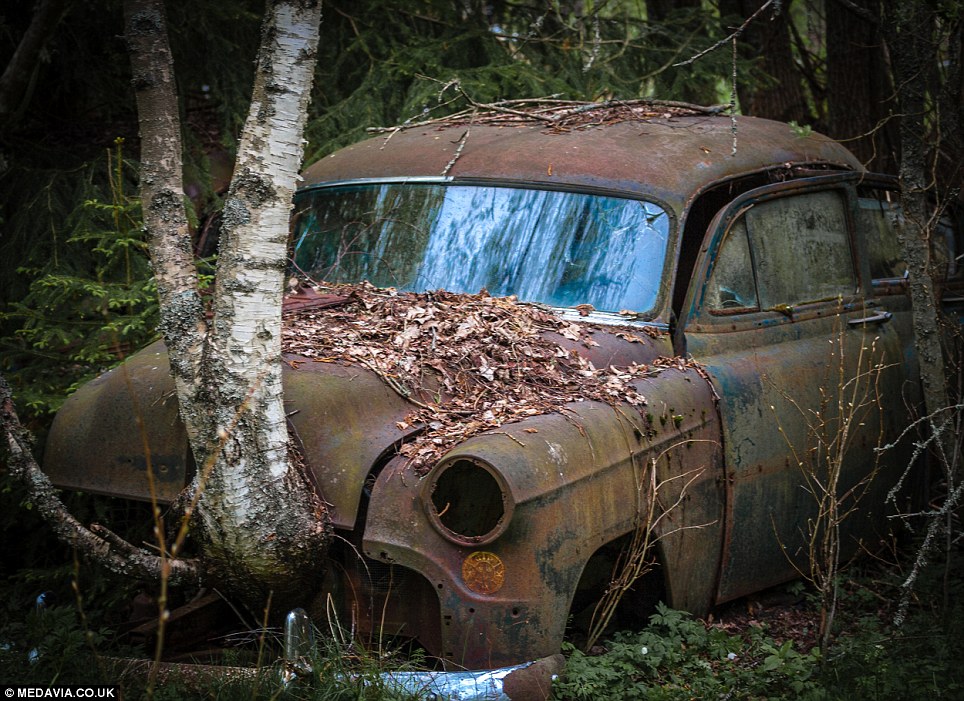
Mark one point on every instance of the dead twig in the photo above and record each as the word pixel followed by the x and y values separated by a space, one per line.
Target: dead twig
pixel 558 114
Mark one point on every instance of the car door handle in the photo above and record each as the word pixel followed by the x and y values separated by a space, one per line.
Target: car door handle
pixel 878 318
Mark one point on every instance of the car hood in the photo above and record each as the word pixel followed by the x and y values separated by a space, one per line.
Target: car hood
pixel 124 425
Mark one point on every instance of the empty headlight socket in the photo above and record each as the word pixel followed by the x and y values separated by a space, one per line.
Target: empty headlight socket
pixel 468 501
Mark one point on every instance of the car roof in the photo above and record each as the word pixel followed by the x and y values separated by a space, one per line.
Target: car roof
pixel 667 158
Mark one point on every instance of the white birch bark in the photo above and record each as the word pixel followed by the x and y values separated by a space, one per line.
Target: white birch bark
pixel 263 525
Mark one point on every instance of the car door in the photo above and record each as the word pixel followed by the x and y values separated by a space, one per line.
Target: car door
pixel 780 314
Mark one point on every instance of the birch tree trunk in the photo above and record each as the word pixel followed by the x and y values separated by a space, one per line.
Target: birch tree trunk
pixel 182 321
pixel 263 529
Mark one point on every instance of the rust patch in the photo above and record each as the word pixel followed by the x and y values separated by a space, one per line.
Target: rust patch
pixel 309 298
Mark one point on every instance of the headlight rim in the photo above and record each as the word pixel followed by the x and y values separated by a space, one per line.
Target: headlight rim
pixel 428 504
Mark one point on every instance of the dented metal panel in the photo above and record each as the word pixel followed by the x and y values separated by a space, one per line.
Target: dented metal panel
pixel 785 374
pixel 762 389
pixel 110 431
pixel 346 419
pixel 120 431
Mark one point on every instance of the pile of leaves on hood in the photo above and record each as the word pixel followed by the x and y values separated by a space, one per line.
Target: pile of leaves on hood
pixel 467 363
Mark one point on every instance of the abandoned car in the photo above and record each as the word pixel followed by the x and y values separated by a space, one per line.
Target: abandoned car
pixel 736 276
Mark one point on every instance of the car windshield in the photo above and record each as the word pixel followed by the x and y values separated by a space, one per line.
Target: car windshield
pixel 558 248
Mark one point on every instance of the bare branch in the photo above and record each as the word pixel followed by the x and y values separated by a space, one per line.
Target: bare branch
pixel 497 107
pixel 116 554
pixel 555 113
pixel 737 32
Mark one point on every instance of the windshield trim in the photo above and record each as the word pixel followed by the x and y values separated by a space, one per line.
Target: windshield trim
pixel 446 180
pixel 500 182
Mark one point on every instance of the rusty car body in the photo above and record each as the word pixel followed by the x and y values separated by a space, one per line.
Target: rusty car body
pixel 768 258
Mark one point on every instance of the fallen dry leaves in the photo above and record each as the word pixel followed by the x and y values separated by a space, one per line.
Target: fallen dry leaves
pixel 467 363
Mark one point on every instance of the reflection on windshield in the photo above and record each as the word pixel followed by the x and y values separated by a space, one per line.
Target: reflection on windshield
pixel 558 248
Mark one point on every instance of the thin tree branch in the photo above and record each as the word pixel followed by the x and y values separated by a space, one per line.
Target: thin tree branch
pixel 116 554
pixel 737 32
pixel 554 112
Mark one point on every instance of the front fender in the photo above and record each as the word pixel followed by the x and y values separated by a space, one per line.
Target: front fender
pixel 116 428
pixel 575 480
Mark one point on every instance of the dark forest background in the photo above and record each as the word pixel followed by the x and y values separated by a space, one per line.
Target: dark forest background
pixel 76 293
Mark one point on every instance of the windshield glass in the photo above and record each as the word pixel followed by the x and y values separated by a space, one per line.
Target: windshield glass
pixel 558 248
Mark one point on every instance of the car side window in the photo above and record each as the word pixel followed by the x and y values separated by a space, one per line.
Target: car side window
pixel 731 288
pixel 801 249
pixel 877 214
pixel 783 252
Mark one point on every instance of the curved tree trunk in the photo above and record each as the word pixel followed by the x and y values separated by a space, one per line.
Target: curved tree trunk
pixel 95 543
pixel 262 528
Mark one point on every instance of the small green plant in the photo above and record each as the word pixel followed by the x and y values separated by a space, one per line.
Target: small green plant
pixel 50 646
pixel 677 657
